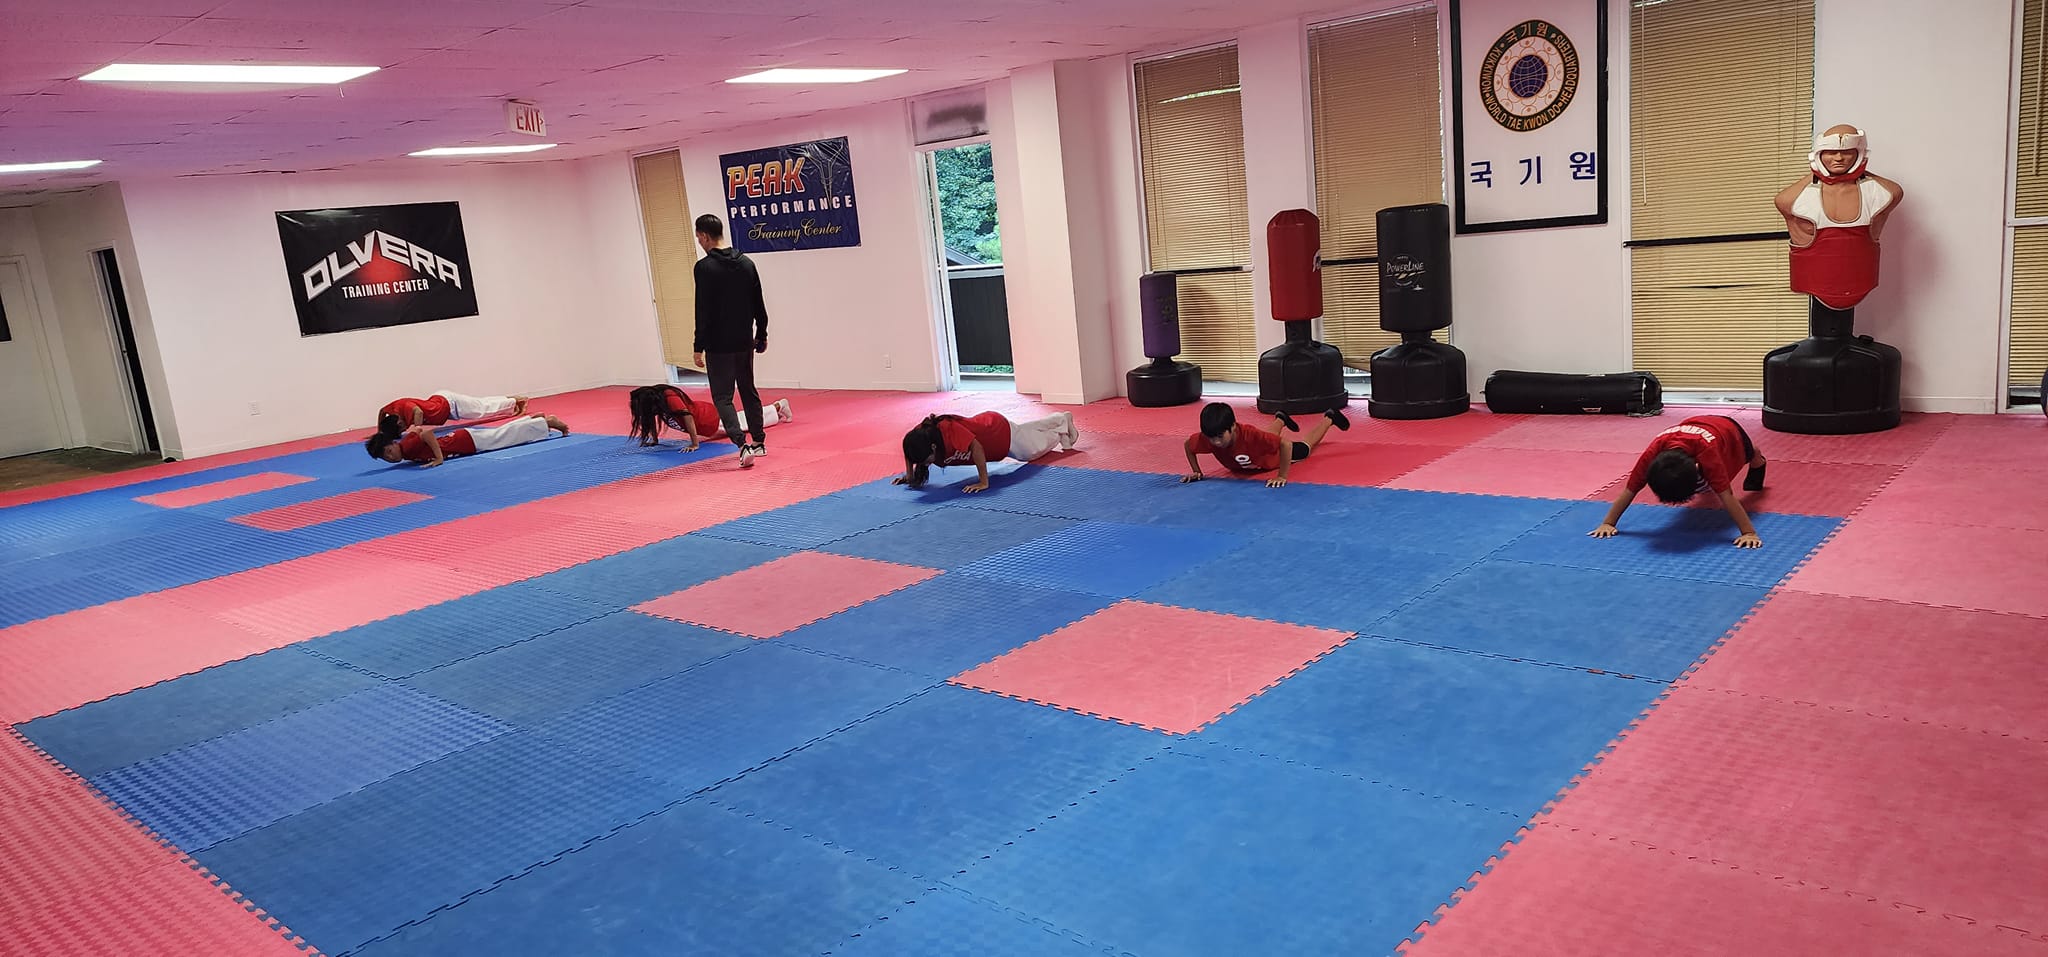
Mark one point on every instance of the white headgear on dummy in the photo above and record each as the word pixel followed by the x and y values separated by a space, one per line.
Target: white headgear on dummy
pixel 1840 141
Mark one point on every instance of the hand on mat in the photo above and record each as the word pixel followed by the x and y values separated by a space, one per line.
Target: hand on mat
pixel 1275 482
pixel 1749 541
pixel 1604 531
pixel 428 465
pixel 1196 477
pixel 692 447
pixel 975 487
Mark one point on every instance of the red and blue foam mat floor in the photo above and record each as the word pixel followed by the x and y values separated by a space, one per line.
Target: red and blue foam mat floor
pixel 583 697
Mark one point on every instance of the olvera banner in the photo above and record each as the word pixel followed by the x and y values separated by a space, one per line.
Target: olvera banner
pixel 791 197
pixel 376 266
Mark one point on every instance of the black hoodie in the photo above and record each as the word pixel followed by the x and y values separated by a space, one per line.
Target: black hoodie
pixel 729 303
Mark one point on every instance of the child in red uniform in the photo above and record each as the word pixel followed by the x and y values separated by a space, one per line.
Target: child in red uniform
pixel 1252 451
pixel 1700 454
pixel 954 440
pixel 420 444
pixel 656 405
pixel 444 407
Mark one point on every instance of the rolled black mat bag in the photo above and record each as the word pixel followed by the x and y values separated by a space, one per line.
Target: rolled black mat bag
pixel 1559 393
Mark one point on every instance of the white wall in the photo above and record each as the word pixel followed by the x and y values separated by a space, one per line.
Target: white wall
pixel 560 276
pixel 857 317
pixel 71 228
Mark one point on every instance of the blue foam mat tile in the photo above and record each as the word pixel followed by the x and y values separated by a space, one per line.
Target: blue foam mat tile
pixel 564 670
pixel 731 714
pixel 1691 543
pixel 405 645
pixel 215 790
pixel 1229 854
pixel 943 485
pixel 1504 735
pixel 19 606
pixel 1328 584
pixel 365 864
pixel 815 522
pixel 1067 492
pixel 947 538
pixel 1105 558
pixel 951 923
pixel 691 880
pixel 1628 624
pixel 661 568
pixel 935 783
pixel 122 730
pixel 962 621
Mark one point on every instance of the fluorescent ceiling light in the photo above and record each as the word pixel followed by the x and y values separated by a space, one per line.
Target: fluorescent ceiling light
pixel 223 73
pixel 814 76
pixel 47 167
pixel 1196 96
pixel 482 150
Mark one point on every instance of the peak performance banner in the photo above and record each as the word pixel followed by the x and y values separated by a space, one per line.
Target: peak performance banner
pixel 791 197
pixel 377 266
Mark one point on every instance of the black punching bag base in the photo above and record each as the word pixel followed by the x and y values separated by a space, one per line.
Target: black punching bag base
pixel 1832 386
pixel 1163 383
pixel 1418 380
pixel 1302 376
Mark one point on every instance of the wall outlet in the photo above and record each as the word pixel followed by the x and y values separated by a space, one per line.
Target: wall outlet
pixel 888 363
pixel 255 409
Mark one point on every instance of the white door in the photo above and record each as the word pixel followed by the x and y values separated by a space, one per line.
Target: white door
pixel 29 421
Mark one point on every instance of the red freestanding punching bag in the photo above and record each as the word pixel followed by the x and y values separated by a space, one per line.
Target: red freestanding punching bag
pixel 1294 246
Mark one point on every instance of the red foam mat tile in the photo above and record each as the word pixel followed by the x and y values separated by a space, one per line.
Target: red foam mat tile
pixel 332 508
pixel 1584 433
pixel 390 588
pixel 64 661
pixel 1153 666
pixel 1944 491
pixel 151 473
pixel 1933 817
pixel 61 844
pixel 1127 452
pixel 1964 669
pixel 1993 569
pixel 2004 442
pixel 1341 462
pixel 1522 472
pixel 571 542
pixel 1566 893
pixel 1794 488
pixel 778 597
pixel 1897 446
pixel 168 909
pixel 25 772
pixel 224 489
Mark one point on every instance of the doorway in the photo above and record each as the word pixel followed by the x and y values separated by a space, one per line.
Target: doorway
pixel 974 311
pixel 115 298
pixel 28 379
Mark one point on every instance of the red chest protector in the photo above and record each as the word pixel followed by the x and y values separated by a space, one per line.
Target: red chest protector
pixel 1838 268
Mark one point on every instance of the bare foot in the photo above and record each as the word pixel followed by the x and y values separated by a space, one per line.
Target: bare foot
pixel 518 405
pixel 557 424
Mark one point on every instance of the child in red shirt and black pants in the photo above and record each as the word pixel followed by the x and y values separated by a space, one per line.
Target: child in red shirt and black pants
pixel 1700 454
pixel 1253 451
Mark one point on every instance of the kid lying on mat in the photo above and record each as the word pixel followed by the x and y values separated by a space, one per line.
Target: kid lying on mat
pixel 420 444
pixel 1700 454
pixel 654 406
pixel 1253 451
pixel 942 440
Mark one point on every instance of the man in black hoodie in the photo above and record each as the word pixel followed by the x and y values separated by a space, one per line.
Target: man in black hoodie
pixel 732 325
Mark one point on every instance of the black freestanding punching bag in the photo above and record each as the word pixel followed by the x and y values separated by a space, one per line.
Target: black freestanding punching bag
pixel 1163 381
pixel 1420 378
pixel 1833 382
pixel 1301 374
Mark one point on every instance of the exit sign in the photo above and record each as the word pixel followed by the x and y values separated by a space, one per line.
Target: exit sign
pixel 525 118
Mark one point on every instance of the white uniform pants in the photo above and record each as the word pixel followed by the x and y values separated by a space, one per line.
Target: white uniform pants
pixel 531 428
pixel 463 407
pixel 1029 440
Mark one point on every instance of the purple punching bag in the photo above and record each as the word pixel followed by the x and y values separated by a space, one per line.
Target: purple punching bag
pixel 1164 381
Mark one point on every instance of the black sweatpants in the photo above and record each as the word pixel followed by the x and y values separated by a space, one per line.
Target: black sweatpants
pixel 727 370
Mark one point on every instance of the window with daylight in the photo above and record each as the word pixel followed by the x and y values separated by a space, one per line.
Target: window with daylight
pixel 671 236
pixel 1191 155
pixel 1390 154
pixel 1710 291
pixel 2026 345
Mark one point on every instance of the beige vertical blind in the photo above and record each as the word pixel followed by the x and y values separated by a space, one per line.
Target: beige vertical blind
pixel 2027 342
pixel 1720 120
pixel 1377 111
pixel 671 250
pixel 1191 152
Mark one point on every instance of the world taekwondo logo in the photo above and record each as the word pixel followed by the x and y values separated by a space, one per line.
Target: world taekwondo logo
pixel 378 244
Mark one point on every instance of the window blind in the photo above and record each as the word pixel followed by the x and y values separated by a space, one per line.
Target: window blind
pixel 671 250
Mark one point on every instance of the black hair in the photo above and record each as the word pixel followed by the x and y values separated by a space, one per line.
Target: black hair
pixel 922 445
pixel 1674 475
pixel 376 444
pixel 710 226
pixel 649 405
pixel 1217 418
pixel 390 424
